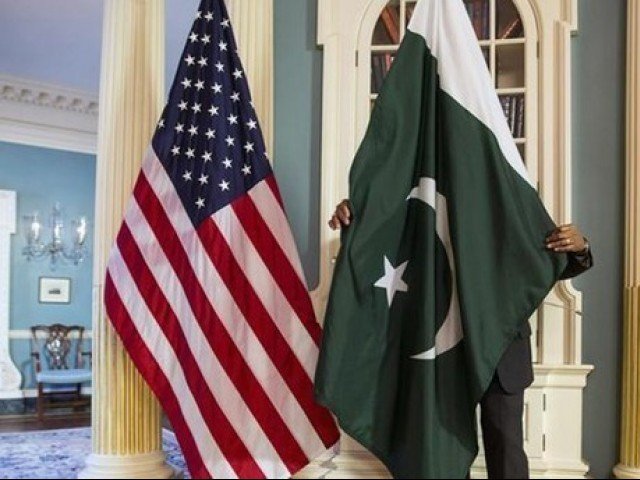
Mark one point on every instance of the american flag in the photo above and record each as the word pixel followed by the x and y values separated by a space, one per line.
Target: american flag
pixel 204 284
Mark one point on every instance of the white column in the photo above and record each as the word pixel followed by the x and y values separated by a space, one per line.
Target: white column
pixel 10 378
pixel 629 466
pixel 127 435
pixel 253 26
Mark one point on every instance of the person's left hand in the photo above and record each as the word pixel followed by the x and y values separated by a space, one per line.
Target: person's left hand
pixel 567 238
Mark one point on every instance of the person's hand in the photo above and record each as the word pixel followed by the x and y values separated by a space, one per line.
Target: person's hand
pixel 567 238
pixel 341 217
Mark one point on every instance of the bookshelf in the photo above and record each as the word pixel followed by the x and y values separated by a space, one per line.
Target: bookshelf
pixel 501 36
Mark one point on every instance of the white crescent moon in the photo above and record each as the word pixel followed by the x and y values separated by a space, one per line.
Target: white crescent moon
pixel 450 333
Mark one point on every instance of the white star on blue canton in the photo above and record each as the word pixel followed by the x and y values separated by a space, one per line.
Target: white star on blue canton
pixel 223 46
pixel 193 37
pixel 238 74
pixel 252 124
pixel 233 119
pixel 246 170
pixel 210 134
pixel 199 14
pixel 248 147
pixel 225 23
pixel 220 66
pixel 235 97
pixel 224 186
pixel 197 108
pixel 206 156
pixel 230 141
pixel 179 128
pixel 200 203
pixel 186 83
pixel 193 130
pixel 213 111
pixel 161 123
pixel 183 105
pixel 187 176
pixel 209 16
pixel 206 39
pixel 227 163
pixel 203 62
pixel 190 61
pixel 217 88
pixel 175 151
pixel 204 179
pixel 190 153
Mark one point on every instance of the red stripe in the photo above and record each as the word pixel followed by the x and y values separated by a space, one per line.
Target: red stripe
pixel 273 185
pixel 278 264
pixel 148 367
pixel 267 332
pixel 221 429
pixel 221 342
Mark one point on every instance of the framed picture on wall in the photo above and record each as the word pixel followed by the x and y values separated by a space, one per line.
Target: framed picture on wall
pixel 55 290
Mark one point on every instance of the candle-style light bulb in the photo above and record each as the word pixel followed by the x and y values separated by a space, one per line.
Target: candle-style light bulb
pixel 36 228
pixel 81 231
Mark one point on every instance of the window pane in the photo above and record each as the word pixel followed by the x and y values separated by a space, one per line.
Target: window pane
pixel 514 109
pixel 380 65
pixel 508 21
pixel 486 51
pixel 510 66
pixel 387 31
pixel 523 154
pixel 480 14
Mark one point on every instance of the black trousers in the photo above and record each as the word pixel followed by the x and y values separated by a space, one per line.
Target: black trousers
pixel 502 432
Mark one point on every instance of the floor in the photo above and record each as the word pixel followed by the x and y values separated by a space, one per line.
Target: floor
pixel 52 421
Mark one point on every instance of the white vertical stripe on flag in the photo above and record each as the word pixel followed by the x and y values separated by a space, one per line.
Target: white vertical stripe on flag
pixel 267 289
pixel 156 341
pixel 229 313
pixel 219 383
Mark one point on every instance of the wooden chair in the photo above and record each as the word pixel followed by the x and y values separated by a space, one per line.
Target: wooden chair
pixel 60 366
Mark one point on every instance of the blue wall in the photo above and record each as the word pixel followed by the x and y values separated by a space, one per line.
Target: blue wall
pixel 598 174
pixel 298 117
pixel 41 177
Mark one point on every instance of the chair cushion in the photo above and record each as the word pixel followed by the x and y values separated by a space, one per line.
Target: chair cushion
pixel 64 376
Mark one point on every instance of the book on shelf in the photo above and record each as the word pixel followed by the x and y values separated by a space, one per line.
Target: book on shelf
pixel 479 12
pixel 391 22
pixel 380 65
pixel 512 30
pixel 513 107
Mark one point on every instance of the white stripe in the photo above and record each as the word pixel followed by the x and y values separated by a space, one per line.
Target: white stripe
pixel 275 218
pixel 267 290
pixel 222 388
pixel 161 349
pixel 229 312
pixel 447 30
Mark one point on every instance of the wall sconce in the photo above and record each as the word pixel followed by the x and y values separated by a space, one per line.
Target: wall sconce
pixel 55 249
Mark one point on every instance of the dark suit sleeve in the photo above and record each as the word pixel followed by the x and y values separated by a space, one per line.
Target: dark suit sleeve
pixel 578 264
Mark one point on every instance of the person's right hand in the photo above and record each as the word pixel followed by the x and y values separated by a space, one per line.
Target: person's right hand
pixel 341 217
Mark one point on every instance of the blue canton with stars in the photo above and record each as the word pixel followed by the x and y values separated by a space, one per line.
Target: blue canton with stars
pixel 208 139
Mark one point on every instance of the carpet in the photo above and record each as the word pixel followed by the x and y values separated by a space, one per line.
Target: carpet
pixel 60 453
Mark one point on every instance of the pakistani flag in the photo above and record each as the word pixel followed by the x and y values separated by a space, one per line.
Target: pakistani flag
pixel 444 261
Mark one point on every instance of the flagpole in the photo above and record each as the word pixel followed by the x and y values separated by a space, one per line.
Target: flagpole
pixel 629 466
pixel 126 418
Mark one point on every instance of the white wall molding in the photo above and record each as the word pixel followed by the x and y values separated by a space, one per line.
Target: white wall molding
pixel 45 115
pixel 26 334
